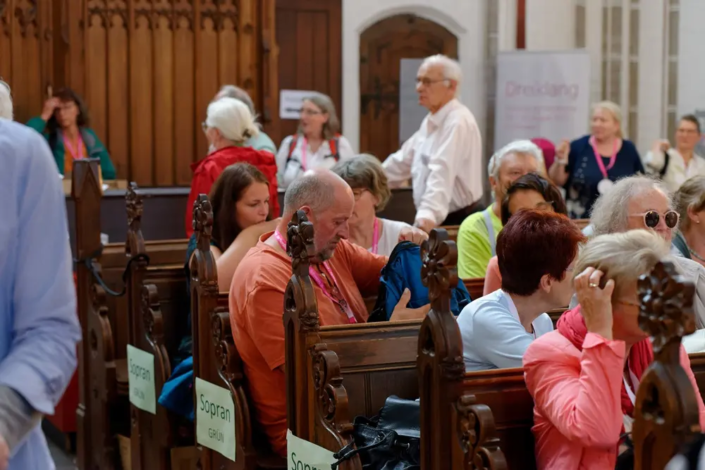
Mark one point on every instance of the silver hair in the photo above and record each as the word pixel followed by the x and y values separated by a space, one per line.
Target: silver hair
pixel 622 257
pixel 309 190
pixel 610 214
pixel 232 91
pixel 451 69
pixel 6 111
pixel 518 146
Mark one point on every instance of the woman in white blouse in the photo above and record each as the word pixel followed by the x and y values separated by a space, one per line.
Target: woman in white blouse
pixel 317 142
pixel 366 177
pixel 676 165
pixel 536 252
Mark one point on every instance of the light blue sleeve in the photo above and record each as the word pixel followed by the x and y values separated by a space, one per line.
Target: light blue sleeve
pixel 498 337
pixel 42 355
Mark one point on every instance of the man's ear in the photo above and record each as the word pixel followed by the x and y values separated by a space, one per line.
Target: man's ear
pixel 493 182
pixel 307 210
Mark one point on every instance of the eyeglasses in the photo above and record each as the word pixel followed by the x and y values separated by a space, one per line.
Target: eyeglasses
pixel 652 218
pixel 427 81
pixel 204 126
pixel 310 112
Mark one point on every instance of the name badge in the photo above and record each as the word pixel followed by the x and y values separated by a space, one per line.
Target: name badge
pixel 140 368
pixel 303 455
pixel 215 418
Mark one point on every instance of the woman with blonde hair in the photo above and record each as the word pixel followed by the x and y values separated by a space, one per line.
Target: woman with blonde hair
pixel 317 142
pixel 589 166
pixel 690 204
pixel 584 375
pixel 228 125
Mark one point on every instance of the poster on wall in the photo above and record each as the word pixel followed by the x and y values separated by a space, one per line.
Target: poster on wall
pixel 542 95
pixel 291 101
pixel 411 113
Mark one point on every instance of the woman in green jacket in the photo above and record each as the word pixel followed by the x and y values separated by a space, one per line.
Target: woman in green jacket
pixel 64 123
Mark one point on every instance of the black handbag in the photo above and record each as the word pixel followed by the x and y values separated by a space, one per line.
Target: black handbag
pixel 389 441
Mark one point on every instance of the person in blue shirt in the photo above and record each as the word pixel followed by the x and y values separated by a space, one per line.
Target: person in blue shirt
pixel 589 166
pixel 39 327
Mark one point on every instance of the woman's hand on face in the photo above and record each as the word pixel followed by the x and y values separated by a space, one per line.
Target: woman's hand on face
pixel 563 150
pixel 412 234
pixel 595 302
pixel 50 106
pixel 402 312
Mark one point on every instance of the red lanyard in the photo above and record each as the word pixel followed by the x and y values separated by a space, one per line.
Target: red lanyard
pixel 341 303
pixel 76 153
pixel 375 237
pixel 598 158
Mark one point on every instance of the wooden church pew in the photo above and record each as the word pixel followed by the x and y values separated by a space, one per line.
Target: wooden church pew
pixel 372 361
pixel 216 359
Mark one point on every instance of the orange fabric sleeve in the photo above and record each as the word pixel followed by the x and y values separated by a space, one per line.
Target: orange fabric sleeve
pixel 365 267
pixel 265 309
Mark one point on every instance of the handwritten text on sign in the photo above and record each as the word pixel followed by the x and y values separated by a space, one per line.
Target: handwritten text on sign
pixel 140 366
pixel 304 455
pixel 215 418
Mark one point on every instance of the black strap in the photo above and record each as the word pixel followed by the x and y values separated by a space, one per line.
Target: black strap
pixel 348 452
pixel 88 261
pixel 667 159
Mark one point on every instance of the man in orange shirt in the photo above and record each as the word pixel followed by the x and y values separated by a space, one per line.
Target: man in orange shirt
pixel 342 275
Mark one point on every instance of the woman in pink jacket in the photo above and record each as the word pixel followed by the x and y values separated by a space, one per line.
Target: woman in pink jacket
pixel 584 375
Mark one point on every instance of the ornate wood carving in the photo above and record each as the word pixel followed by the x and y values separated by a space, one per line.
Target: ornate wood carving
pixel 300 298
pixel 217 11
pixel 164 9
pixel 144 9
pixel 225 351
pixel 4 22
pixel 183 9
pixel 152 315
pixel 666 411
pixel 134 244
pixel 101 333
pixel 26 14
pixel 331 396
pixel 203 228
pixel 476 431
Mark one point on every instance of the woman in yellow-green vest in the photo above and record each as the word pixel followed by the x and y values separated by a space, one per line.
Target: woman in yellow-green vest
pixel 64 123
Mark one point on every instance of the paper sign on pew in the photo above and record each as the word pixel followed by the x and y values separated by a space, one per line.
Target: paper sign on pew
pixel 215 418
pixel 140 368
pixel 303 455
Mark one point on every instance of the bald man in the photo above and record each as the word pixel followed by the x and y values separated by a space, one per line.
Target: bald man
pixel 342 275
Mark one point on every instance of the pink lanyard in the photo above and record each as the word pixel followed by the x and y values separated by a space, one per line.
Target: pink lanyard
pixel 342 304
pixel 76 155
pixel 375 237
pixel 304 143
pixel 598 157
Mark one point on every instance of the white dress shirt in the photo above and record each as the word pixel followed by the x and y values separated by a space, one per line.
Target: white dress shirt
pixel 444 160
pixel 677 172
pixel 289 171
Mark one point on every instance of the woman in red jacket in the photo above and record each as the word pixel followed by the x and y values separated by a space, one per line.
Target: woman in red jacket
pixel 228 125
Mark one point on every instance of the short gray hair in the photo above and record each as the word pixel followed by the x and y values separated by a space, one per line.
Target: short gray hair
pixel 622 257
pixel 325 104
pixel 309 190
pixel 516 147
pixel 365 171
pixel 690 194
pixel 6 111
pixel 232 91
pixel 610 213
pixel 451 68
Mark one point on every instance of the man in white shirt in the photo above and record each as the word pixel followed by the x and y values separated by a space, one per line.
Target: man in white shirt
pixel 676 165
pixel 444 157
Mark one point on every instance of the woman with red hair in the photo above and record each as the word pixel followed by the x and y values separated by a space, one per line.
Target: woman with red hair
pixel 584 376
pixel 497 328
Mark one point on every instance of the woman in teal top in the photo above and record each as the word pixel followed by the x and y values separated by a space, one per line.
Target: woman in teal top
pixel 64 123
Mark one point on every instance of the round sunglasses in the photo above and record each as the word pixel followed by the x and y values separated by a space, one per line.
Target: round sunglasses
pixel 652 218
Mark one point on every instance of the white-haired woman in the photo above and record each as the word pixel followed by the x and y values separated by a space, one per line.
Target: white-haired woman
pixel 589 166
pixel 478 233
pixel 316 144
pixel 261 141
pixel 584 376
pixel 640 202
pixel 228 125
pixel 690 203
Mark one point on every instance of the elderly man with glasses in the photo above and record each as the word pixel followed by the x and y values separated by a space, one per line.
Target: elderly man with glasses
pixel 444 157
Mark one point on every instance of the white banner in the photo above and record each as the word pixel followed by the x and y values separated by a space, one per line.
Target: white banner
pixel 542 95
pixel 291 102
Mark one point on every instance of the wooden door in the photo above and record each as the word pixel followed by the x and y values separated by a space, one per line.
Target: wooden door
pixel 309 37
pixel 382 47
